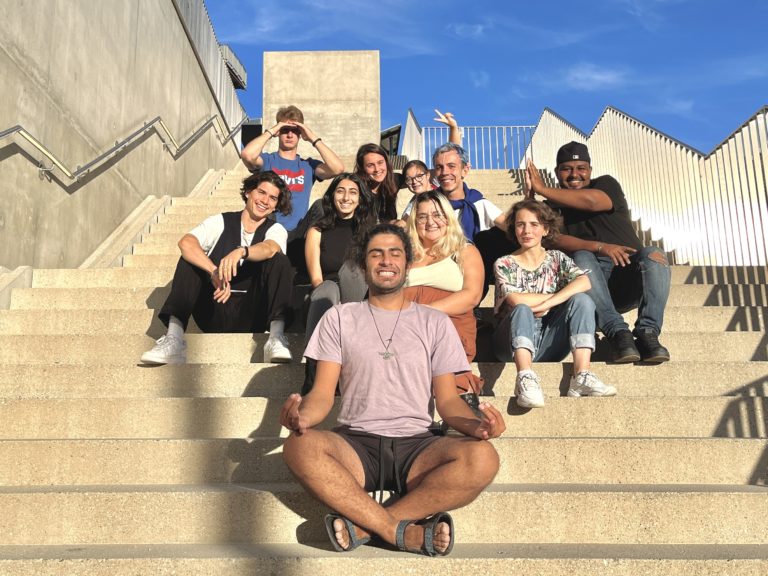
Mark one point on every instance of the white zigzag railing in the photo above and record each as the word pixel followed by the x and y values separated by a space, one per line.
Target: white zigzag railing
pixel 710 209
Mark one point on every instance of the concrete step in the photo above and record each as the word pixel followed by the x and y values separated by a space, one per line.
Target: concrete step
pixel 294 559
pixel 619 417
pixel 131 277
pixel 671 380
pixel 214 348
pixel 523 460
pixel 121 321
pixel 202 210
pixel 103 277
pixel 276 513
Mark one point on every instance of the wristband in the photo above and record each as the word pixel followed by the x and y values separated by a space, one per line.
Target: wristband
pixel 316 141
pixel 599 247
pixel 268 131
pixel 245 257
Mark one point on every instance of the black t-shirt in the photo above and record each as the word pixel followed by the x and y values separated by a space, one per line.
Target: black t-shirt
pixel 613 226
pixel 334 244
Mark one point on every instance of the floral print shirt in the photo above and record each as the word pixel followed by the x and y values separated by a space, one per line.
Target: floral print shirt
pixel 553 274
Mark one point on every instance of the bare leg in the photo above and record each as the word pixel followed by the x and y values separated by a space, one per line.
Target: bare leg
pixel 581 359
pixel 523 359
pixel 449 474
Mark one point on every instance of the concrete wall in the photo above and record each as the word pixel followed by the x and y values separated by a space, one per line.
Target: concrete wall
pixel 81 75
pixel 338 92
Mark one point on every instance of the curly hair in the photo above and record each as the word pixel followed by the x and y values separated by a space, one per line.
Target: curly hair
pixel 365 213
pixel 546 215
pixel 284 205
pixel 361 248
pixel 387 190
pixel 452 243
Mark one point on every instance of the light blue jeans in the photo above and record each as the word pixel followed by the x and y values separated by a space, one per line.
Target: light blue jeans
pixel 566 327
pixel 643 284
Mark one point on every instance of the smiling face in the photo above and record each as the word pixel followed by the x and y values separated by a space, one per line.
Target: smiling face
pixel 417 180
pixel 450 173
pixel 346 199
pixel 431 223
pixel 386 266
pixel 528 230
pixel 262 200
pixel 574 174
pixel 375 167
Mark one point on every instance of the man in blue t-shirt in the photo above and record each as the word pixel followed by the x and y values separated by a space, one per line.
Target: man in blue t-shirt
pixel 298 173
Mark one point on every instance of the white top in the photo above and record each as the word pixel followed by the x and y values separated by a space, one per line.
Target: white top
pixel 210 230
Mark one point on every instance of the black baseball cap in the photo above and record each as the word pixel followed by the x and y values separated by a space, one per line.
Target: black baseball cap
pixel 572 151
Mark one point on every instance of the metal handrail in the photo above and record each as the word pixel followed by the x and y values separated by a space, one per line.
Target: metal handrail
pixel 162 131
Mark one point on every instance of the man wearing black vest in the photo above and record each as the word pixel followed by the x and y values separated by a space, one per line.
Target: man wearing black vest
pixel 624 273
pixel 233 275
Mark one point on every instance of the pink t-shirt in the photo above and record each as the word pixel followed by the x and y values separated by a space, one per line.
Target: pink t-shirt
pixel 390 397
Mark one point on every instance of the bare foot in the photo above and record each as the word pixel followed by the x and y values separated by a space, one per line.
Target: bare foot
pixel 414 537
pixel 342 534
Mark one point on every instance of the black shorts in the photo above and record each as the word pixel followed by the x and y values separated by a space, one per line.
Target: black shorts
pixel 386 460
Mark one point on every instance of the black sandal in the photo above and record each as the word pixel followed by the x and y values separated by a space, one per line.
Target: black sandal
pixel 428 548
pixel 354 541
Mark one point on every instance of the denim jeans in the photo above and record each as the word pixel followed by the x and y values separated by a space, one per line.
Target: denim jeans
pixel 642 284
pixel 566 327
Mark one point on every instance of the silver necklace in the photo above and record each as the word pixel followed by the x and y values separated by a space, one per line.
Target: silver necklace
pixel 386 354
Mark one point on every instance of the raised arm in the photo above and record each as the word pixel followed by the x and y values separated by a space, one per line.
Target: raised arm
pixel 251 154
pixel 587 199
pixel 332 164
pixel 454 132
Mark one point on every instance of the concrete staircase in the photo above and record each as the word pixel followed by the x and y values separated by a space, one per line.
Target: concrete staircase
pixel 111 468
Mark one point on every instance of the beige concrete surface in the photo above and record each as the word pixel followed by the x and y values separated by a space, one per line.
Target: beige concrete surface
pixel 338 92
pixel 272 513
pixel 523 461
pixel 80 76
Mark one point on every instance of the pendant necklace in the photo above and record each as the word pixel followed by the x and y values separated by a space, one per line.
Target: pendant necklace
pixel 386 354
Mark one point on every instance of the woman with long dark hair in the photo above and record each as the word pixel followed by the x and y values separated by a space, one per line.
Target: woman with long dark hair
pixel 372 164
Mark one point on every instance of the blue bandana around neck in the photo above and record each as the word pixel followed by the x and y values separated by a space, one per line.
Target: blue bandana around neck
pixel 468 216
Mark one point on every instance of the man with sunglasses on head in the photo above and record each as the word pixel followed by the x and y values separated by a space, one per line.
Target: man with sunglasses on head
pixel 298 173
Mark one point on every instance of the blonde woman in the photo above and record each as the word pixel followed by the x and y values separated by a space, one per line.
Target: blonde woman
pixel 447 273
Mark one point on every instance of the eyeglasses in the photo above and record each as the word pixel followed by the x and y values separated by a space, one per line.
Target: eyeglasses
pixel 410 180
pixel 438 217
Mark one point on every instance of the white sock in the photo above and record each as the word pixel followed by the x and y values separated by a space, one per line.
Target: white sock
pixel 175 328
pixel 276 328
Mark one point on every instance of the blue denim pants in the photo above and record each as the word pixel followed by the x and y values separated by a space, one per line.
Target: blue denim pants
pixel 643 284
pixel 566 327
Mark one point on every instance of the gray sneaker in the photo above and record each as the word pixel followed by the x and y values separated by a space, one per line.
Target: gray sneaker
pixel 587 384
pixel 528 391
pixel 167 350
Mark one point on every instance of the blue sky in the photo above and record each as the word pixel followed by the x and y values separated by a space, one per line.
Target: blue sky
pixel 693 69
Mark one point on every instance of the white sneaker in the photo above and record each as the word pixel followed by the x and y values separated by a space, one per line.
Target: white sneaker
pixel 276 349
pixel 528 391
pixel 587 384
pixel 167 350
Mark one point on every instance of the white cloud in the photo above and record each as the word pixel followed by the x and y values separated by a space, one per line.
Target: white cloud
pixel 479 78
pixel 468 30
pixel 588 77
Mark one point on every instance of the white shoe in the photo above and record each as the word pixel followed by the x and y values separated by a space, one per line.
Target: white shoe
pixel 167 350
pixel 587 384
pixel 528 391
pixel 276 349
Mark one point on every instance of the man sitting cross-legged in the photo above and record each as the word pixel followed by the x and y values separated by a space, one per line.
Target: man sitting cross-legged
pixel 233 275
pixel 394 360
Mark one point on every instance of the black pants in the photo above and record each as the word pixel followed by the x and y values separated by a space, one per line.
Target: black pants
pixel 268 297
pixel 492 245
